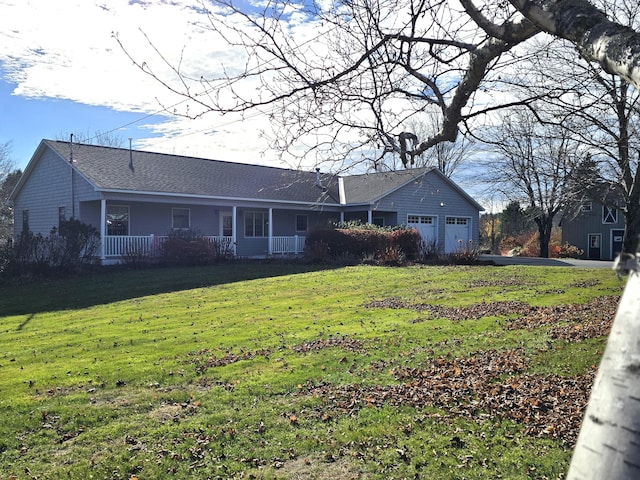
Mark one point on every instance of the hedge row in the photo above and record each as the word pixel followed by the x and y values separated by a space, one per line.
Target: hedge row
pixel 362 243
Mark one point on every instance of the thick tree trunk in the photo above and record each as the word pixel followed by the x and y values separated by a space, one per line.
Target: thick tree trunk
pixel 544 235
pixel 608 446
pixel 632 221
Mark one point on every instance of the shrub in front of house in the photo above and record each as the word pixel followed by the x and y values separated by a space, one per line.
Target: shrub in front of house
pixel 189 247
pixel 71 246
pixel 566 250
pixel 358 242
pixel 406 240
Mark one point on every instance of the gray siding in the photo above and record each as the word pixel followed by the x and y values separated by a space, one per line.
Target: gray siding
pixel 49 188
pixel 576 230
pixel 430 195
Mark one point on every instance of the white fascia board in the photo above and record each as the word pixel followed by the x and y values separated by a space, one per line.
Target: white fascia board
pixel 210 197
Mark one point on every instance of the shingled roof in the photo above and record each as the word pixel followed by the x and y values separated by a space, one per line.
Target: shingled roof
pixel 371 187
pixel 119 169
pixel 113 169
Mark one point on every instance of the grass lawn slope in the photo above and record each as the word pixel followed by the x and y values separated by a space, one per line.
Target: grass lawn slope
pixel 289 371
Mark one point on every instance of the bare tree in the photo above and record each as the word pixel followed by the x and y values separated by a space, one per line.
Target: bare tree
pixel 599 109
pixel 533 163
pixel 8 179
pixel 371 67
pixel 105 139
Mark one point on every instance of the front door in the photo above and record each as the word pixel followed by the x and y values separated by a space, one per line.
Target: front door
pixel 617 236
pixel 595 242
pixel 226 224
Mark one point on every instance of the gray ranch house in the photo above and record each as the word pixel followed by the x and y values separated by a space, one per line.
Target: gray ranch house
pixel 135 199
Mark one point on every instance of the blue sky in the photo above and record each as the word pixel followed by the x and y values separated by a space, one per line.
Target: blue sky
pixel 62 71
pixel 26 121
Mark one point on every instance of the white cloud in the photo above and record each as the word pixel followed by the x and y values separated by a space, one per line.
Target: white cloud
pixel 66 50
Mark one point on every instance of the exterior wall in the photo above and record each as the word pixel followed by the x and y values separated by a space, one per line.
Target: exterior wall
pixel 48 188
pixel 284 224
pixel 434 196
pixel 577 229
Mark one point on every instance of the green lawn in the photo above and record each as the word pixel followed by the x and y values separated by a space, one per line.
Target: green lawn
pixel 292 371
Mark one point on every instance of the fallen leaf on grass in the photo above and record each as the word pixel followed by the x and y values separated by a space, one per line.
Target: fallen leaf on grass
pixel 545 405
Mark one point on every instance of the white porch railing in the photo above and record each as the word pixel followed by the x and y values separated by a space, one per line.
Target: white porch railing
pixel 149 245
pixel 284 245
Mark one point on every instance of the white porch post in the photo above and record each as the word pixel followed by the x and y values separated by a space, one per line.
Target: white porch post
pixel 103 227
pixel 370 216
pixel 341 217
pixel 270 251
pixel 234 226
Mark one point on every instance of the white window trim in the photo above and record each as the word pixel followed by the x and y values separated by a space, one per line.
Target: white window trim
pixel 434 218
pixel 468 220
pixel 605 213
pixel 265 233
pixel 173 210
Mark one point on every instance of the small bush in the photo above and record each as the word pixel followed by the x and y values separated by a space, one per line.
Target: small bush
pixel 429 252
pixel 391 256
pixel 569 251
pixel 189 247
pixel 466 254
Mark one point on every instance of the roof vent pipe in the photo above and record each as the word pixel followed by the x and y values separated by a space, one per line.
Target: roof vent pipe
pixel 71 148
pixel 130 156
pixel 318 181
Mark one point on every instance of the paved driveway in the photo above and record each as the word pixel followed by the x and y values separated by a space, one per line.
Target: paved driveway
pixel 547 262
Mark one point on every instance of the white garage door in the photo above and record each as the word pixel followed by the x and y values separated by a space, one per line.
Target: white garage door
pixel 457 233
pixel 426 226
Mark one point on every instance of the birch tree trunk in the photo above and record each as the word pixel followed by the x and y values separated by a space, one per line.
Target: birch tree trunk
pixel 608 445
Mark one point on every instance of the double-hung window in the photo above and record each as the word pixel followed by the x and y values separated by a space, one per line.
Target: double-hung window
pixel 256 224
pixel 180 218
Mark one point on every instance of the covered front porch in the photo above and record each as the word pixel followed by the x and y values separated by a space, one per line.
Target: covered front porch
pixel 130 228
pixel 241 231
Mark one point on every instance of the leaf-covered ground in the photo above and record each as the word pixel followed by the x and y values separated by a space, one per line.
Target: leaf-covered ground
pixel 489 383
pixel 570 322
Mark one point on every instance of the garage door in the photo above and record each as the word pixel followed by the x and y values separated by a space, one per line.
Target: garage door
pixel 457 233
pixel 425 224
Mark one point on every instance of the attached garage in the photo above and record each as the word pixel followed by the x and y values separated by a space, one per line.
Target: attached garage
pixel 427 226
pixel 457 234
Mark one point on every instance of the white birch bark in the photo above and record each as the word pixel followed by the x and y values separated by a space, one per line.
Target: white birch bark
pixel 608 446
pixel 615 47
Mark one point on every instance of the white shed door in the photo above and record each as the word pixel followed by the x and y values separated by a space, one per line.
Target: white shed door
pixel 457 234
pixel 426 226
